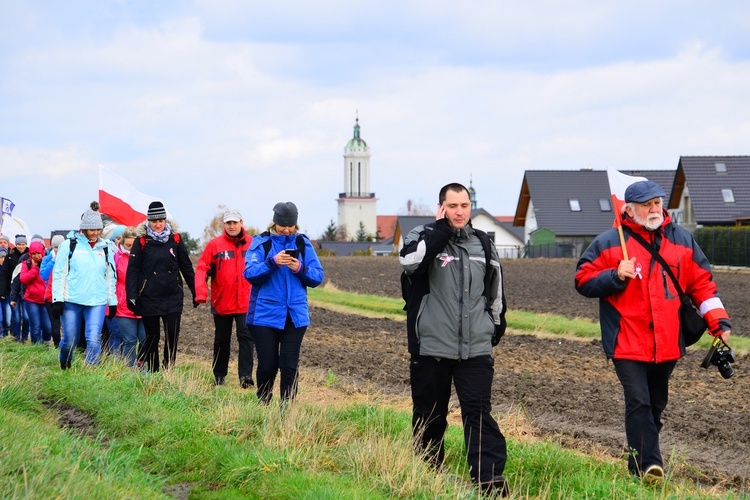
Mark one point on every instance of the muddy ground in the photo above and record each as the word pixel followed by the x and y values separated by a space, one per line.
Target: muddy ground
pixel 565 387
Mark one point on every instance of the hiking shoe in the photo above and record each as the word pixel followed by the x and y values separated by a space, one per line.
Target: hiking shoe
pixel 218 380
pixel 64 365
pixel 497 488
pixel 246 382
pixel 654 475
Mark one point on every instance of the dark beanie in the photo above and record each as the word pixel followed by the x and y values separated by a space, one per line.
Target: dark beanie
pixel 285 214
pixel 157 211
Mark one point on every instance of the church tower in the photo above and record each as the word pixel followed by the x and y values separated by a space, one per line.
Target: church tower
pixel 357 203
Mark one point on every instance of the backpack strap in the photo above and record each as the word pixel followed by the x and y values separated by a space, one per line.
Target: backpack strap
pixel 489 271
pixel 299 241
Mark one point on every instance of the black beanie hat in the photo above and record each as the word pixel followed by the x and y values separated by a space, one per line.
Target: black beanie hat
pixel 156 211
pixel 285 214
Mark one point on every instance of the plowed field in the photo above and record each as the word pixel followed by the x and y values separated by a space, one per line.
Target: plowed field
pixel 566 387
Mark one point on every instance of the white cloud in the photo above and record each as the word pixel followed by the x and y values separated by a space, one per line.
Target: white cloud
pixel 247 104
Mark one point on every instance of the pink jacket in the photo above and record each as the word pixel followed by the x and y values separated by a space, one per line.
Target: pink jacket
pixel 121 266
pixel 34 285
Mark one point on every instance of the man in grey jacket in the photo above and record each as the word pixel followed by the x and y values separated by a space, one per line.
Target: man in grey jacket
pixel 455 314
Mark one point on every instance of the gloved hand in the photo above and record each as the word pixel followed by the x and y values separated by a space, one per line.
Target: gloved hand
pixel 111 312
pixel 131 304
pixel 57 309
pixel 499 331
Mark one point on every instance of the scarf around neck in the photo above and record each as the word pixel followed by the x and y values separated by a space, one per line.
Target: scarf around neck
pixel 161 236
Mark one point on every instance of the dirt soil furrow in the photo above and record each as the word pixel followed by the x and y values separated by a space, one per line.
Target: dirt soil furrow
pixel 566 387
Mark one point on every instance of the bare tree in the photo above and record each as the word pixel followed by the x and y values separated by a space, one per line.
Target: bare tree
pixel 414 208
pixel 215 226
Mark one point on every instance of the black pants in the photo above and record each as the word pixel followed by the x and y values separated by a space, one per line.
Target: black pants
pixel 278 350
pixel 56 328
pixel 149 350
pixel 431 390
pixel 646 390
pixel 223 345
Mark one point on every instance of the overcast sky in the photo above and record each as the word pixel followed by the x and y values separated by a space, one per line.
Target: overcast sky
pixel 247 103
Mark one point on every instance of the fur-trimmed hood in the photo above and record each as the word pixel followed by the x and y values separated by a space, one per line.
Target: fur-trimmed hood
pixel 140 229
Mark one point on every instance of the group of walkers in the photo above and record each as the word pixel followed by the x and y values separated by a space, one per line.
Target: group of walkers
pixel 122 285
pixel 455 304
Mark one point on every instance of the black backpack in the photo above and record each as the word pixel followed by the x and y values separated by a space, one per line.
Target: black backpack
pixel 411 283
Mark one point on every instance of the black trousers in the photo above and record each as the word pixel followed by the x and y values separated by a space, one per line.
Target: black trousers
pixel 223 345
pixel 431 390
pixel 149 351
pixel 278 351
pixel 56 327
pixel 646 390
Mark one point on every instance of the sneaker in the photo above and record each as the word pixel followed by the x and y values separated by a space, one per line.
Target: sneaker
pixel 218 380
pixel 246 382
pixel 654 475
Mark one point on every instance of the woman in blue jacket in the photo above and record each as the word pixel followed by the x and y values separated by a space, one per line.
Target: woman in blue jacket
pixel 83 287
pixel 280 264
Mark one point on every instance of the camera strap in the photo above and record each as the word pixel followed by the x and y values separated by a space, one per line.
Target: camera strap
pixel 655 253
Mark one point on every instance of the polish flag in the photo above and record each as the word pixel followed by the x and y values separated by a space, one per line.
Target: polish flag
pixel 618 183
pixel 121 201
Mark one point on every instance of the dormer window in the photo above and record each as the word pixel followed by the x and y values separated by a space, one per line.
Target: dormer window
pixel 721 168
pixel 727 195
pixel 604 205
pixel 575 205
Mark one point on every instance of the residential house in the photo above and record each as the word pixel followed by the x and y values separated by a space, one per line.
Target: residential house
pixel 711 191
pixel 561 211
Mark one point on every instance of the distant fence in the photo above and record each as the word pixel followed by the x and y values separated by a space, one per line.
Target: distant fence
pixel 567 249
pixel 723 246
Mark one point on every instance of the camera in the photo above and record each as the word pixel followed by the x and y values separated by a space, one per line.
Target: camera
pixel 721 356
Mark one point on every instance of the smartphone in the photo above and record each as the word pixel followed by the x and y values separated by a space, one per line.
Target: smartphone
pixel 293 253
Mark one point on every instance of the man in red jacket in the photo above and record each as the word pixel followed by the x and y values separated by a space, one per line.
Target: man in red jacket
pixel 639 312
pixel 223 261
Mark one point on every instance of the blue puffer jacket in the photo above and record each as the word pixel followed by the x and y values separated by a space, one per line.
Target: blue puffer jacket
pixel 88 276
pixel 277 291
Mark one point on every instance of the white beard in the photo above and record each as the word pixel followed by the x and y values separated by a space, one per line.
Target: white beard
pixel 652 222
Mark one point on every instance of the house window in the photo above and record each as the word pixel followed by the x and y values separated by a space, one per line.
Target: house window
pixel 604 205
pixel 575 205
pixel 728 195
pixel 721 168
pixel 491 236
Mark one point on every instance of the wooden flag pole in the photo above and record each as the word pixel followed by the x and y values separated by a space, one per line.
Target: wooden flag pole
pixel 622 242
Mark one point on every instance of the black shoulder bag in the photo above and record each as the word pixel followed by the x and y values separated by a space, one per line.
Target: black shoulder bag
pixel 692 324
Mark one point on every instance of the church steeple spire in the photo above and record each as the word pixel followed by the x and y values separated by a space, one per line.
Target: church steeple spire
pixel 472 194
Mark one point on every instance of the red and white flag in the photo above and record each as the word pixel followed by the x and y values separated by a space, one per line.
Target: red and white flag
pixel 618 183
pixel 121 201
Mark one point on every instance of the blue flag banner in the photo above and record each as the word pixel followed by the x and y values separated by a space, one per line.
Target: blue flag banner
pixel 8 206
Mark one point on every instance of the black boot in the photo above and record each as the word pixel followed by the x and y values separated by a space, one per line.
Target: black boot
pixel 64 365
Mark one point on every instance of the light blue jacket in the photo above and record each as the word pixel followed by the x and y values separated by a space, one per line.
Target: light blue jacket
pixel 277 291
pixel 87 278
